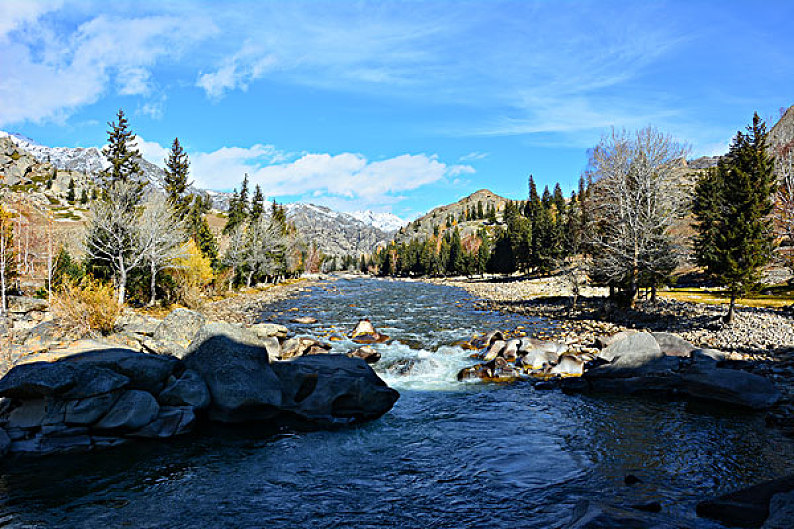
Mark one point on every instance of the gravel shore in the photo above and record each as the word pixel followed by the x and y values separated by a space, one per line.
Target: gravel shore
pixel 756 333
pixel 246 307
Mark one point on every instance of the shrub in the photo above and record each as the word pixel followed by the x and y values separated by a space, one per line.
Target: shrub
pixel 86 307
pixel 192 272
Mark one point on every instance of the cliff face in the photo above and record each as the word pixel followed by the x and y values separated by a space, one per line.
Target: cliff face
pixel 334 232
pixel 783 131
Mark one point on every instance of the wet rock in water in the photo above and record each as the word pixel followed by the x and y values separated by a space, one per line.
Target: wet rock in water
pixel 533 344
pixel 296 347
pixel 568 366
pixel 303 320
pixel 169 422
pixel 651 506
pixel 179 327
pixel 673 345
pixel 730 386
pixel 631 479
pixel 781 511
pixel 510 351
pixel 365 332
pixel 486 340
pixel 631 355
pixel 269 330
pixel 366 353
pixel 493 351
pixel 538 359
pixel 241 383
pixel 748 507
pixel 333 389
pixel 590 515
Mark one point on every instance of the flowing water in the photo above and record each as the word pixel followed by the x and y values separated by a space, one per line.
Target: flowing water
pixel 448 455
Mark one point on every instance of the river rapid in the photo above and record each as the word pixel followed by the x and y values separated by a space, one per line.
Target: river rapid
pixel 448 455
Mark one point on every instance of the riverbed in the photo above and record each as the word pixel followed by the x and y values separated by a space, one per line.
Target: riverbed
pixel 448 454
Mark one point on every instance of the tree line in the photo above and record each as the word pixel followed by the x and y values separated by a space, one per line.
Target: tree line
pixel 627 226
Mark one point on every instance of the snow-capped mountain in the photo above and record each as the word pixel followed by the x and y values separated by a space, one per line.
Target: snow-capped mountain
pixel 335 232
pixel 88 160
pixel 388 222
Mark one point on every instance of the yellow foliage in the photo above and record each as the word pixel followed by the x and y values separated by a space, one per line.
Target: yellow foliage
pixel 85 307
pixel 192 268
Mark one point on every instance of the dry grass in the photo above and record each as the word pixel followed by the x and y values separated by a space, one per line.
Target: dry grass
pixel 85 308
pixel 777 296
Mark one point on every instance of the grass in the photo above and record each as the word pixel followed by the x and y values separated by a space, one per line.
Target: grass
pixel 775 296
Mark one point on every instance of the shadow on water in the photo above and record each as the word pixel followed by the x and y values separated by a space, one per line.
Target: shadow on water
pixel 448 455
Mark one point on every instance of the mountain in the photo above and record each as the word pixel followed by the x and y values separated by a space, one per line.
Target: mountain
pixel 437 218
pixel 387 222
pixel 783 131
pixel 334 232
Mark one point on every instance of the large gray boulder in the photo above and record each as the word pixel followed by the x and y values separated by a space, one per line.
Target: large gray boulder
pixel 241 383
pixel 145 371
pixel 187 390
pixel 133 410
pixel 635 354
pixel 73 380
pixel 730 386
pixel 333 390
pixel 179 327
pixel 673 345
pixel 169 422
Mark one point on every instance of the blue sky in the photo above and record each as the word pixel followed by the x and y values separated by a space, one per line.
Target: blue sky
pixel 392 106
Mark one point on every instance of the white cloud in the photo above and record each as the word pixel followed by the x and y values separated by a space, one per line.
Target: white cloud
pixel 15 13
pixel 345 181
pixel 473 156
pixel 44 76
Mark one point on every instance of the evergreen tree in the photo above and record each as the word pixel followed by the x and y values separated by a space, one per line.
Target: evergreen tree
pixel 244 196
pixel 70 195
pixel 236 214
pixel 84 196
pixel 502 260
pixel 176 183
pixel 257 203
pixel 483 253
pixel 492 214
pixel 199 230
pixel 455 263
pixel 732 203
pixel 480 213
pixel 120 152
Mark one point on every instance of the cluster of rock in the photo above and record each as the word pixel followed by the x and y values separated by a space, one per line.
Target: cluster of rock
pixel 24 313
pixel 626 363
pixel 227 373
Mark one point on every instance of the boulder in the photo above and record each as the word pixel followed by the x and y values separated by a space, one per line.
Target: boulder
pixel 170 422
pixel 304 320
pixel 37 379
pixel 748 507
pixel 269 330
pixel 241 383
pixel 602 342
pixel 568 366
pixel 365 332
pixel 5 442
pixel 133 409
pixel 137 323
pixel 295 347
pixel 494 350
pixel 781 511
pixel 673 345
pixel 333 389
pixel 145 371
pixel 730 386
pixel 88 410
pixel 29 414
pixel 366 353
pixel 510 351
pixel 25 304
pixel 632 355
pixel 188 390
pixel 533 344
pixel 179 327
pixel 538 359
pixel 486 340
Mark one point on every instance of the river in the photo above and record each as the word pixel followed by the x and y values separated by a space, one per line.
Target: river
pixel 448 455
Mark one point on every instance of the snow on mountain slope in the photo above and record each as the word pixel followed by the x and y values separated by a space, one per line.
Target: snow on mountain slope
pixel 388 222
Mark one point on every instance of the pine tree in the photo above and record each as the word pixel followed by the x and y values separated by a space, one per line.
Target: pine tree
pixel 732 203
pixel 235 215
pixel 70 195
pixel 244 196
pixel 176 183
pixel 455 262
pixel 84 196
pixel 199 230
pixel 480 213
pixel 257 203
pixel 120 152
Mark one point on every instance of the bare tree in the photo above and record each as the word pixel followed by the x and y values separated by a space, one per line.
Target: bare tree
pixel 112 232
pixel 6 256
pixel 161 237
pixel 236 252
pixel 784 206
pixel 265 248
pixel 637 199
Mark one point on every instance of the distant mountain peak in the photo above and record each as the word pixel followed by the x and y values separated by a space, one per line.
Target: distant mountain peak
pixel 387 222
